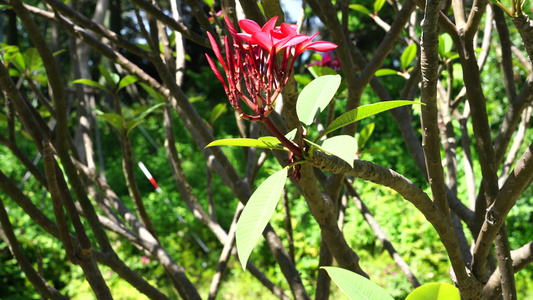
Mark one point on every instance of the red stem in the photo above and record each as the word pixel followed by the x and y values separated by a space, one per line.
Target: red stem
pixel 289 144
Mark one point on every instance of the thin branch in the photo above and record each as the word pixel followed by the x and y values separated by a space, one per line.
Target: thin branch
pixel 170 22
pixel 7 234
pixel 380 234
pixel 224 255
pixel 430 137
pixel 506 59
pixel 517 182
pixel 517 143
pixel 521 258
pixel 472 24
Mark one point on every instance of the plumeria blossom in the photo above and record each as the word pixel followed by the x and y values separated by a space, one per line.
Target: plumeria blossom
pixel 260 59
pixel 328 61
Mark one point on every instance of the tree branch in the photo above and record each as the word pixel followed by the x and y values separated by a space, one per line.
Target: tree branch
pixel 7 234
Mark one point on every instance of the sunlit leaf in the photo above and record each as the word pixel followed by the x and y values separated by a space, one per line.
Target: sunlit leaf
pixel 365 134
pixel 92 83
pixel 137 120
pixel 435 291
pixel 217 111
pixel 386 72
pixel 259 143
pixel 155 94
pixel 378 4
pixel 14 72
pixel 360 8
pixel 18 61
pixel 343 146
pixel 302 79
pixel 257 213
pixel 316 96
pixel 408 55
pixel 355 286
pixel 59 52
pixel 114 119
pixel 291 134
pixel 110 78
pixel 32 59
pixel 271 141
pixel 40 78
pixel 124 82
pixel 364 112
pixel 130 125
pixel 445 44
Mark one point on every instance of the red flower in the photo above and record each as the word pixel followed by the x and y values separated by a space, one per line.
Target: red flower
pixel 328 61
pixel 255 62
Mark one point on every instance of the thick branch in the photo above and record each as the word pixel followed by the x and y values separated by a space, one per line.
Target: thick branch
pixel 468 286
pixel 430 138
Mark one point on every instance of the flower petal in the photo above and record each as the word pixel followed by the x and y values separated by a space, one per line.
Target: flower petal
pixel 249 26
pixel 231 28
pixel 288 29
pixel 291 41
pixel 263 39
pixel 321 46
pixel 245 37
pixel 215 70
pixel 214 45
pixel 269 26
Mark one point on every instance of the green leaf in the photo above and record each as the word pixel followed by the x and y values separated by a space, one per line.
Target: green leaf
pixel 302 79
pixel 124 82
pixel 291 134
pixel 452 56
pixel 378 4
pixel 14 72
pixel 271 141
pixel 137 120
pixel 32 59
pixel 408 55
pixel 445 44
pixel 40 78
pixel 355 286
pixel 343 146
pixel 18 61
pixel 360 8
pixel 217 111
pixel 260 143
pixel 316 96
pixel 92 83
pixel 365 134
pixel 59 52
pixel 364 111
pixel 209 2
pixel 386 72
pixel 114 119
pixel 257 213
pixel 155 94
pixel 435 291
pixel 110 78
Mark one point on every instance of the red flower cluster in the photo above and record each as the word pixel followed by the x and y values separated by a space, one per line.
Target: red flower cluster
pixel 328 61
pixel 252 57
